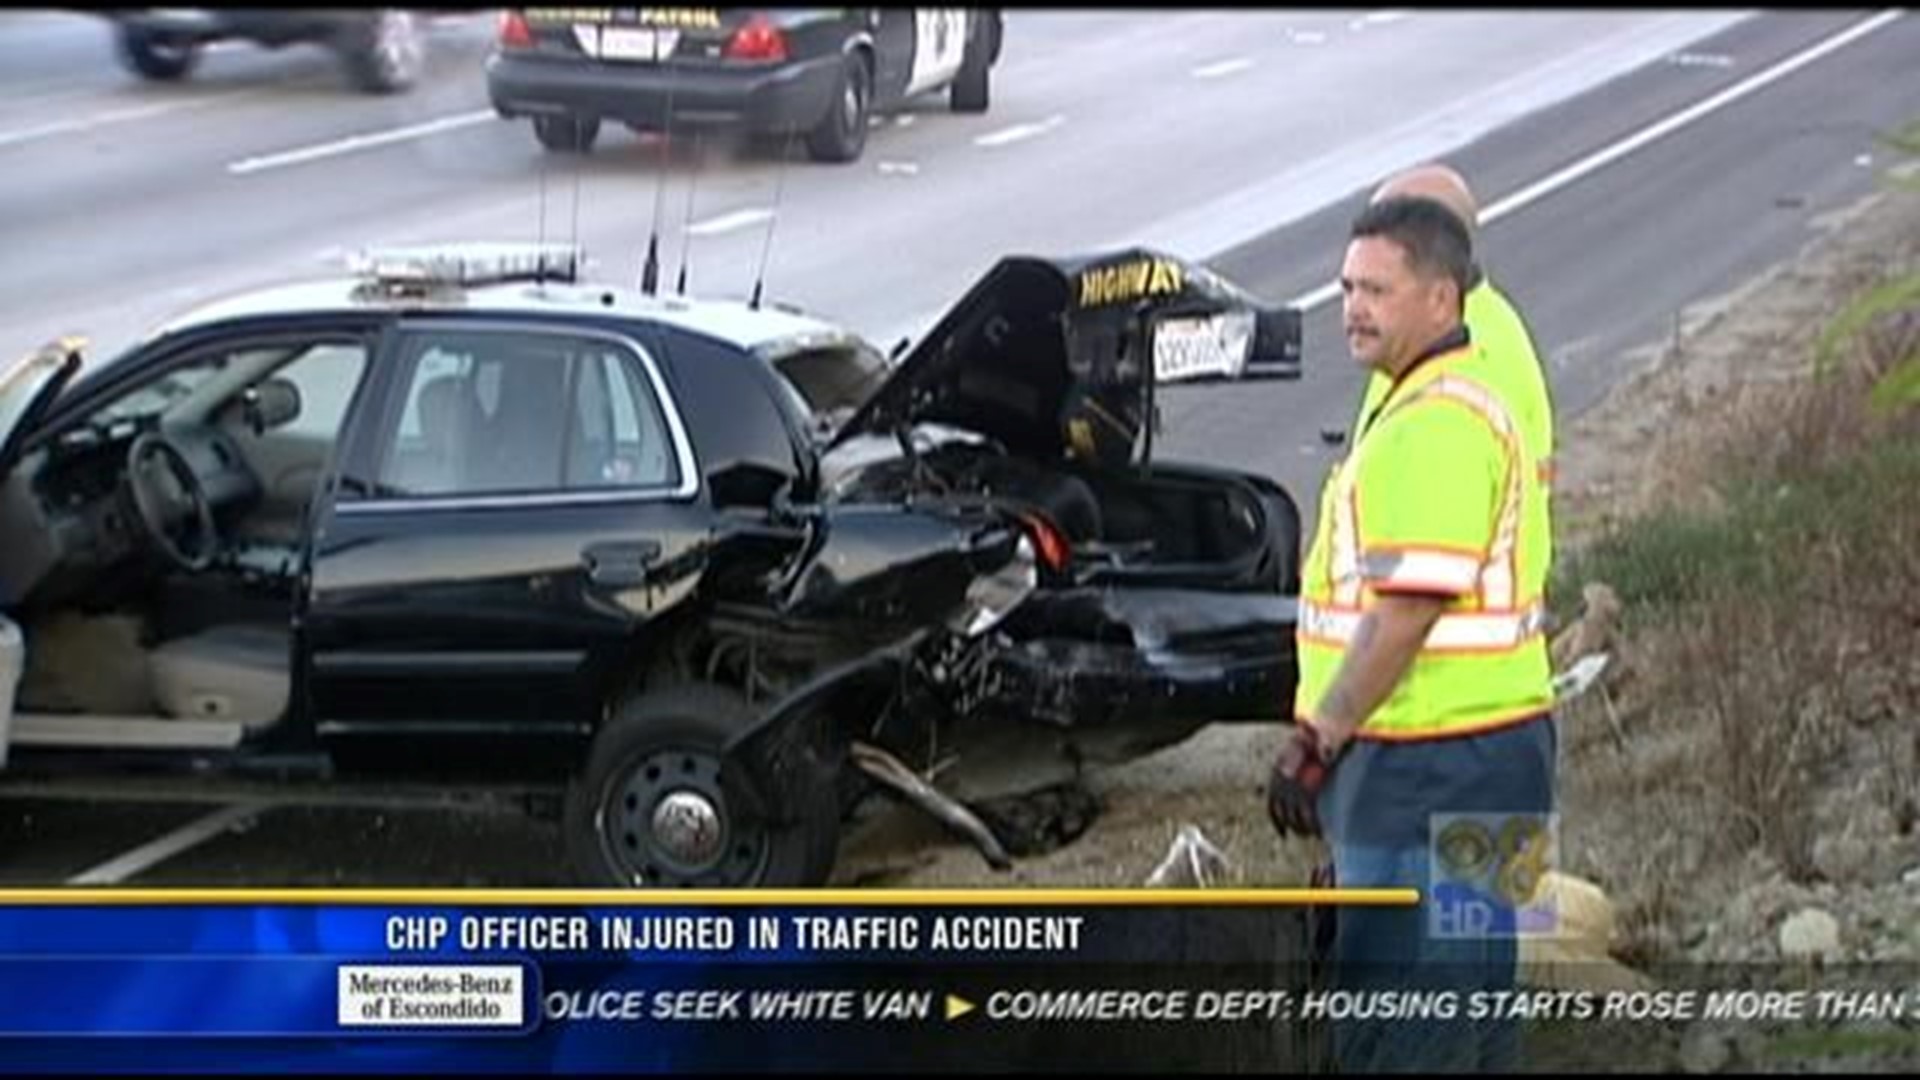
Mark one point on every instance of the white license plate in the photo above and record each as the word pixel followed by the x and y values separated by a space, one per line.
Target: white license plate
pixel 1193 348
pixel 637 43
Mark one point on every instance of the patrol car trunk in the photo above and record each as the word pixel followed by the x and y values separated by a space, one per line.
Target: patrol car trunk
pixel 678 35
pixel 1037 388
pixel 1185 526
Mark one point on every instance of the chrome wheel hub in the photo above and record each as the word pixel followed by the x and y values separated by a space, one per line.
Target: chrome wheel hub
pixel 687 827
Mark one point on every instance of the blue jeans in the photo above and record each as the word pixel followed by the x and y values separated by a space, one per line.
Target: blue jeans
pixel 1392 949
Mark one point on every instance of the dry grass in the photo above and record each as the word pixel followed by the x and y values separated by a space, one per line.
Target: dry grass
pixel 1769 624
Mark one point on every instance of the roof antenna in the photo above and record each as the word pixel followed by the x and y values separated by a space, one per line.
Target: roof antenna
pixel 686 221
pixel 540 263
pixel 574 244
pixel 650 273
pixel 766 248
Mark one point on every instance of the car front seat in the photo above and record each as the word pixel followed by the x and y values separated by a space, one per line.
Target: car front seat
pixel 237 672
pixel 451 423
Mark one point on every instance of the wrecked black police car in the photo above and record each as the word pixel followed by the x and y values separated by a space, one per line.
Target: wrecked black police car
pixel 708 571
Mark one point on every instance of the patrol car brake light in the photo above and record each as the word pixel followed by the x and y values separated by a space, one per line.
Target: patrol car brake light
pixel 1049 543
pixel 514 31
pixel 757 39
pixel 468 264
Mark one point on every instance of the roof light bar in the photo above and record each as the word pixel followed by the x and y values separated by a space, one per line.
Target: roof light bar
pixel 468 264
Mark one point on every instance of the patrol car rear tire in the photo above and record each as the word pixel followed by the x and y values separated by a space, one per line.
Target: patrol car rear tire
pixel 660 752
pixel 158 56
pixel 970 91
pixel 841 135
pixel 566 134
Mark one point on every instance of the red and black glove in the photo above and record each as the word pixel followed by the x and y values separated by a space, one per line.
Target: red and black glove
pixel 1299 771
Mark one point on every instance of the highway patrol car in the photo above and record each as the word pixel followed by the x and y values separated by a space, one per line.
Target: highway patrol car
pixel 818 74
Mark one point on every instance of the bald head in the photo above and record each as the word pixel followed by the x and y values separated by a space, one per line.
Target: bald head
pixel 1439 183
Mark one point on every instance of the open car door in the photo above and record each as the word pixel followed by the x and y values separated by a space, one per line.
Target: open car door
pixel 28 388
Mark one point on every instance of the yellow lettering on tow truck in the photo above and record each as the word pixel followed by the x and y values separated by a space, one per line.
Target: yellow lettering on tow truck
pixel 1130 281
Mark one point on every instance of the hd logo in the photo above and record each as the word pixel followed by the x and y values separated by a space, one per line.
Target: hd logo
pixel 1485 875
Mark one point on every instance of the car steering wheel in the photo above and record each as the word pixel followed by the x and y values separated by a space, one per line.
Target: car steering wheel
pixel 170 502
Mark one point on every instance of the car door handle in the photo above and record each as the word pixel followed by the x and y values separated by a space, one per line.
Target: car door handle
pixel 621 564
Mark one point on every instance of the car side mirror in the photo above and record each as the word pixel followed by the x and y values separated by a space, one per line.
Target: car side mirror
pixel 270 404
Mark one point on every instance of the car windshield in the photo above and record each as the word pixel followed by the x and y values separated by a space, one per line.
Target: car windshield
pixel 157 396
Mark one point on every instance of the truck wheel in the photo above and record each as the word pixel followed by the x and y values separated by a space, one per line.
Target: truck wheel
pixel 386 53
pixel 657 807
pixel 969 92
pixel 566 134
pixel 158 56
pixel 842 134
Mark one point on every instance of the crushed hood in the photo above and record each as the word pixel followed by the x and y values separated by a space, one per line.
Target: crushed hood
pixel 1055 357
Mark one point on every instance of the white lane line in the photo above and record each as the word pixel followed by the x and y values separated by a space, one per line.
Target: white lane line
pixel 1694 59
pixel 899 168
pixel 1019 132
pixel 150 854
pixel 727 222
pixel 1306 37
pixel 1380 18
pixel 1222 67
pixel 101 119
pixel 355 143
pixel 1600 159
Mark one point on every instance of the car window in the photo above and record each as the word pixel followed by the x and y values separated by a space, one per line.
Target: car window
pixel 620 438
pixel 501 413
pixel 325 375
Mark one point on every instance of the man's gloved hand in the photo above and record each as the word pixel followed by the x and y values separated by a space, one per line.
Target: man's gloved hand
pixel 1299 770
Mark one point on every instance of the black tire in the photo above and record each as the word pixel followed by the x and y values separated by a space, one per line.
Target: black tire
pixel 841 135
pixel 971 88
pixel 1068 500
pixel 667 743
pixel 161 57
pixel 566 134
pixel 386 53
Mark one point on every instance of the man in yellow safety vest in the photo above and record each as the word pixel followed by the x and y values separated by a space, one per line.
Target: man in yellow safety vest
pixel 1423 746
pixel 1497 328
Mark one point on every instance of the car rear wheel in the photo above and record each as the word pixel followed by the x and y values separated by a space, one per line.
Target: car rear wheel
pixel 158 56
pixel 657 805
pixel 970 90
pixel 841 135
pixel 566 134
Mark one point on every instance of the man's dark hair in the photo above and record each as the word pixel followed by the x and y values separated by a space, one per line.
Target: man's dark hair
pixel 1436 242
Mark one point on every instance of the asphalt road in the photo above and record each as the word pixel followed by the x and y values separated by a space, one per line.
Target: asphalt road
pixel 1246 137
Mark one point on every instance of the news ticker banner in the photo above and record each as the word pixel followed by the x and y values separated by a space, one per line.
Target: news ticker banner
pixel 539 980
pixel 542 981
